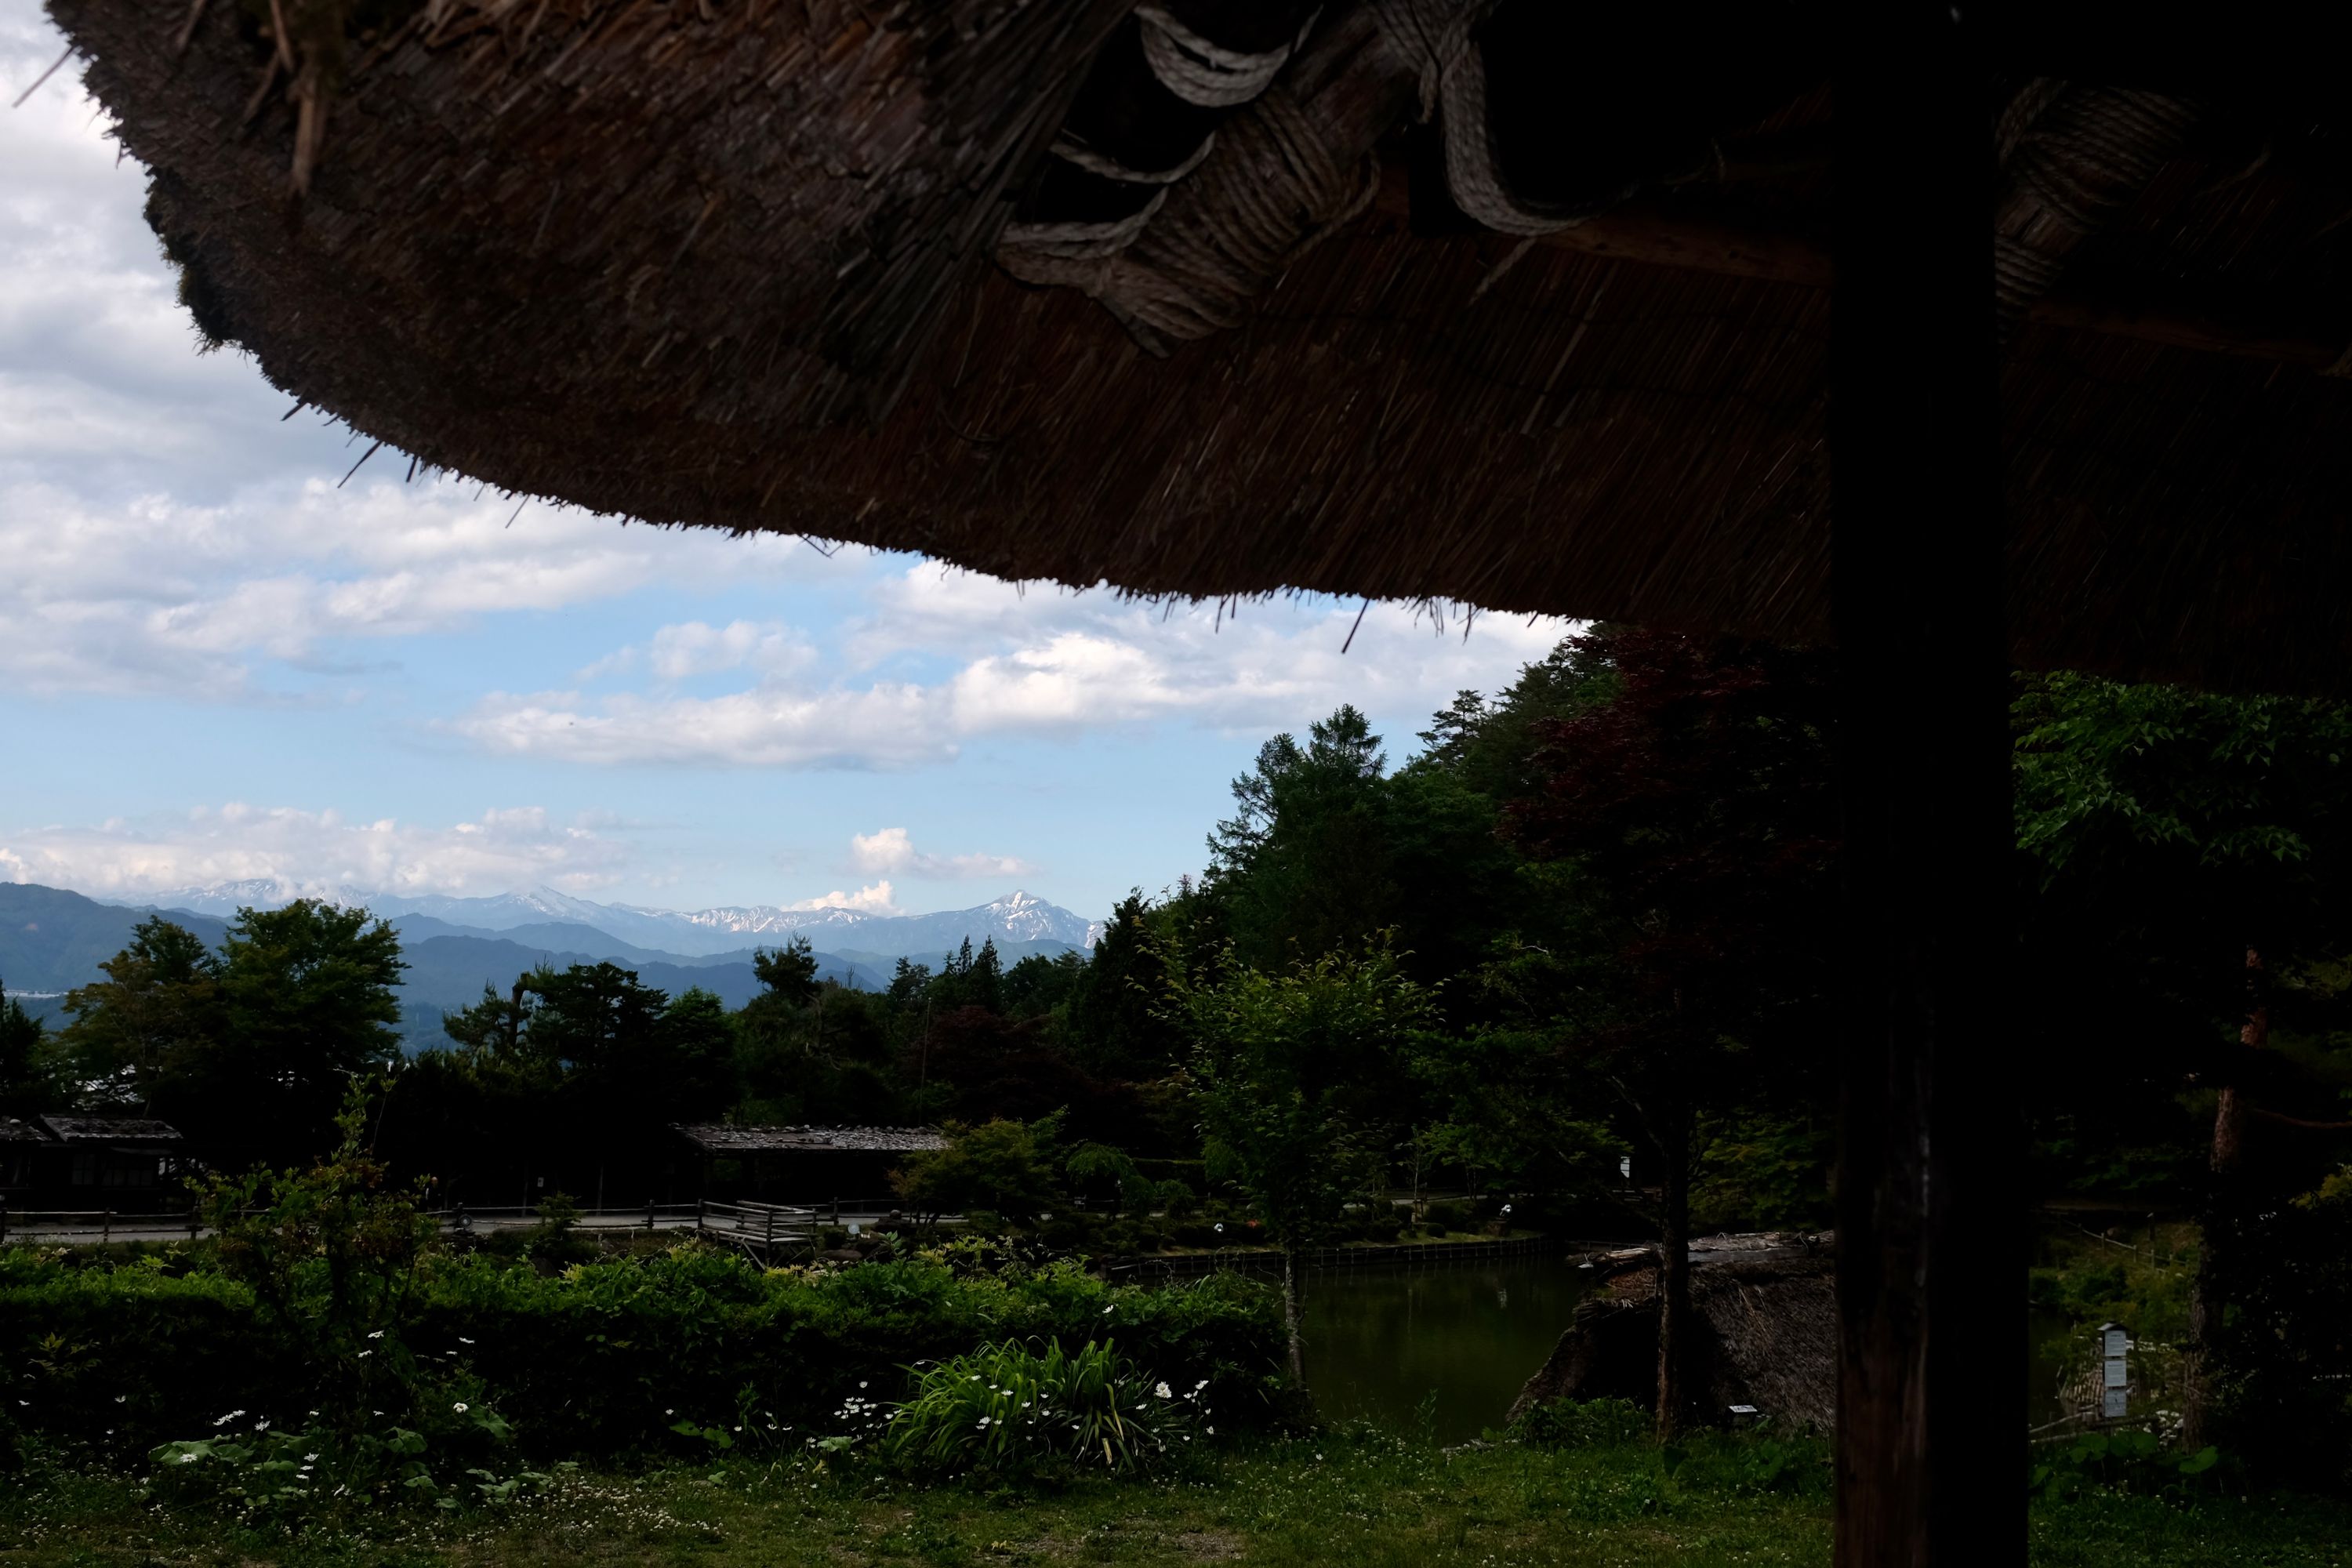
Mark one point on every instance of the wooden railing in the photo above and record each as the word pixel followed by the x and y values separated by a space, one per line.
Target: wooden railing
pixel 79 1228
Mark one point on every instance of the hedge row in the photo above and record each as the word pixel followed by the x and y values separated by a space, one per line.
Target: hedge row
pixel 603 1358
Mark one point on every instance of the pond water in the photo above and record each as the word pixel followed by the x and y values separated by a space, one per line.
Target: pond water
pixel 1381 1340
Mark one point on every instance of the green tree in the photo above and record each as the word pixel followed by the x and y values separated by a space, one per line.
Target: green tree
pixel 1290 1071
pixel 1304 857
pixel 1000 1166
pixel 28 1082
pixel 789 975
pixel 1698 808
pixel 2185 852
pixel 143 1032
pixel 1116 1023
pixel 310 996
pixel 1038 986
pixel 494 1032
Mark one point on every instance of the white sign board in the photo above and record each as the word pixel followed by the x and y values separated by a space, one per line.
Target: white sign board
pixel 2111 1405
pixel 2117 1342
pixel 2117 1377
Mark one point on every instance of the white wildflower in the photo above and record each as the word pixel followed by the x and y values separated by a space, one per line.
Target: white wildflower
pixel 1163 1391
pixel 187 1458
pixel 459 1407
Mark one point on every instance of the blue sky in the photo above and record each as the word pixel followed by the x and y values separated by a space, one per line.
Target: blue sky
pixel 215 664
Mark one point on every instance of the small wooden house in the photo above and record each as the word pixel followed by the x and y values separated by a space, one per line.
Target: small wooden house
pixel 91 1162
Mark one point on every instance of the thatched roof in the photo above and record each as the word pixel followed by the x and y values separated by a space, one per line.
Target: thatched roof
pixel 1213 299
pixel 723 1138
pixel 141 1132
pixel 1766 1337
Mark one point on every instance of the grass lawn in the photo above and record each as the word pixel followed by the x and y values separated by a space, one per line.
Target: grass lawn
pixel 1360 1500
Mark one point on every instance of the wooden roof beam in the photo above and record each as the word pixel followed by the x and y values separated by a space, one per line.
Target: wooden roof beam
pixel 1673 233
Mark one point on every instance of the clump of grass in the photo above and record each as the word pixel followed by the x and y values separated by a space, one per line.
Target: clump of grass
pixel 1014 1410
pixel 1583 1423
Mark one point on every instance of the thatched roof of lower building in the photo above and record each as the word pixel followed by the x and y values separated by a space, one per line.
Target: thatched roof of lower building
pixel 730 1138
pixel 1208 300
pixel 1766 1337
pixel 144 1132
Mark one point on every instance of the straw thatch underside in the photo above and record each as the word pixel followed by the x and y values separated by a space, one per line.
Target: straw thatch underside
pixel 757 267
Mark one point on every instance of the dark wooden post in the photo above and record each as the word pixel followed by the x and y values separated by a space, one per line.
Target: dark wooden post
pixel 1931 1407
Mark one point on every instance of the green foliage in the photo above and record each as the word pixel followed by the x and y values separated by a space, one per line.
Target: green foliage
pixel 147 1028
pixel 334 1256
pixel 251 1049
pixel 1005 1167
pixel 267 1471
pixel 597 1360
pixel 29 1080
pixel 789 975
pixel 2127 1460
pixel 1761 1170
pixel 1585 1423
pixel 1014 1409
pixel 1288 1071
pixel 1114 1021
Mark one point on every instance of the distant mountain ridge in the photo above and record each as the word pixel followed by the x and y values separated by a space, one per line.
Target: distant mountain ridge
pixel 52 941
pixel 1018 917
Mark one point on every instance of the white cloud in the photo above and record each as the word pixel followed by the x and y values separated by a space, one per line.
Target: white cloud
pixel 157 594
pixel 768 726
pixel 316 851
pixel 1079 663
pixel 891 849
pixel 872 899
pixel 694 648
pixel 165 530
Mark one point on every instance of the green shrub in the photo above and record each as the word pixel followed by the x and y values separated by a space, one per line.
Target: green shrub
pixel 2131 1461
pixel 1443 1217
pixel 1012 1410
pixel 605 1358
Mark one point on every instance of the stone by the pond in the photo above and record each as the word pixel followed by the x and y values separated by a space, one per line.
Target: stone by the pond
pixel 1765 1336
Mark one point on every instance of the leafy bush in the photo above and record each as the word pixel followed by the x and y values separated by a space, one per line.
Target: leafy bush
pixel 2122 1461
pixel 263 1469
pixel 1003 1167
pixel 603 1358
pixel 1583 1423
pixel 1009 1410
pixel 1443 1217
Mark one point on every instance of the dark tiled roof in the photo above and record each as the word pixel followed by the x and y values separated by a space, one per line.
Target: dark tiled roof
pixel 725 1138
pixel 111 1130
pixel 15 1131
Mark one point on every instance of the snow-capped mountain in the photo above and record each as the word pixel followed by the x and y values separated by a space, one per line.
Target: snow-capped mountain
pixel 1019 916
